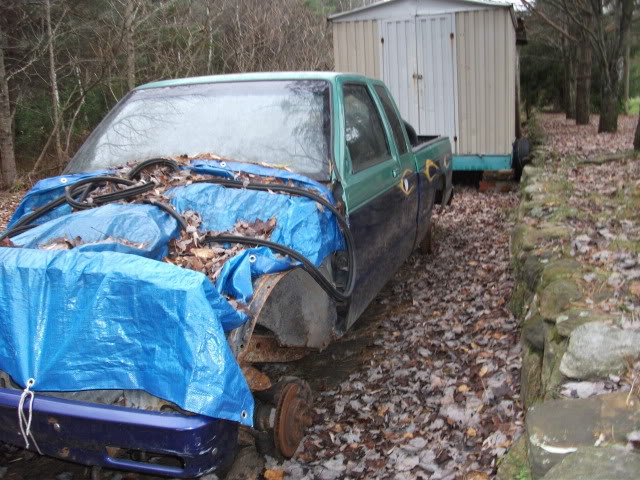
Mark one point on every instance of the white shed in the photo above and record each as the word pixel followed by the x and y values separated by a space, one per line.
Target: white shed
pixel 450 64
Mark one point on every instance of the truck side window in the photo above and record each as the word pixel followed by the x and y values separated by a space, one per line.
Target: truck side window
pixel 364 131
pixel 396 124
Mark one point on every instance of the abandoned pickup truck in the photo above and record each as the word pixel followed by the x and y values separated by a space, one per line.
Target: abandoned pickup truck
pixel 206 227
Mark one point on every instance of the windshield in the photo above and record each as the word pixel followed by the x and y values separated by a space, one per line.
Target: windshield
pixel 277 123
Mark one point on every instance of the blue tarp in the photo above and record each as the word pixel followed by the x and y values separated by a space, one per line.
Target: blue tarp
pixel 47 190
pixel 145 225
pixel 102 316
pixel 103 320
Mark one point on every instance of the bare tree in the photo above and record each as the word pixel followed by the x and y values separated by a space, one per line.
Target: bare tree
pixel 606 24
pixel 7 153
pixel 53 80
pixel 129 18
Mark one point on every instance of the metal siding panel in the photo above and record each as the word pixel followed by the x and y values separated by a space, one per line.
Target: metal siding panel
pixel 463 81
pixel 351 47
pixel 345 48
pixel 502 99
pixel 482 85
pixel 359 47
pixel 460 80
pixel 336 47
pixel 377 48
pixel 491 114
pixel 511 82
pixel 368 48
pixel 341 60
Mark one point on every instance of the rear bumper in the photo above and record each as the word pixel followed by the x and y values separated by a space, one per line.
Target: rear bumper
pixel 92 434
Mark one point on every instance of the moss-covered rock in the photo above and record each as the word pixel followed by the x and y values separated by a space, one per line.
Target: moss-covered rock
pixel 515 464
pixel 557 296
pixel 557 428
pixel 529 173
pixel 597 463
pixel 560 269
pixel 554 348
pixel 531 376
pixel 526 238
pixel 532 270
pixel 519 299
pixel 534 329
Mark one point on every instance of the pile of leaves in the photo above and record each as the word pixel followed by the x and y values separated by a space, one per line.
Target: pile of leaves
pixel 187 251
pixel 440 396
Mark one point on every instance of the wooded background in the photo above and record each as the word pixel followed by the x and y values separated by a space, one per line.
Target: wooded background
pixel 65 63
pixel 582 57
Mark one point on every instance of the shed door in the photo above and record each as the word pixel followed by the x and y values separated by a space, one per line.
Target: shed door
pixel 399 64
pixel 436 76
pixel 418 67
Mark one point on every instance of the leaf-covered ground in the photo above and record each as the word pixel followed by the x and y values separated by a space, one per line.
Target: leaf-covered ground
pixel 439 395
pixel 8 203
pixel 564 137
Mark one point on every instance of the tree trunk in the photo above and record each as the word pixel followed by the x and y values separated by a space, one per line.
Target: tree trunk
pixel 129 43
pixel 626 74
pixel 636 138
pixel 53 81
pixel 209 29
pixel 570 87
pixel 7 153
pixel 609 109
pixel 583 84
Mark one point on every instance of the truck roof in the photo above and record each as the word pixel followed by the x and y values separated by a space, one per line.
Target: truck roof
pixel 247 77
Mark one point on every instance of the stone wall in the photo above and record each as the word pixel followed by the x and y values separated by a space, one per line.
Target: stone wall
pixel 579 322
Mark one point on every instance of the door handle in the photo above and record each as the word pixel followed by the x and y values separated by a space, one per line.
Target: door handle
pixel 395 172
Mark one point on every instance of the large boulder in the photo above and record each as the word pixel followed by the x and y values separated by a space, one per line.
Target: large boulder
pixel 571 319
pixel 597 463
pixel 559 269
pixel 598 350
pixel 557 428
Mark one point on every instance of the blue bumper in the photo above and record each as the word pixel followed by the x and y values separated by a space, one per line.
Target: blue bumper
pixel 92 434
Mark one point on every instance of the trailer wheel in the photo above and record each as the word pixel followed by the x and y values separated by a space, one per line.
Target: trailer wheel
pixel 520 157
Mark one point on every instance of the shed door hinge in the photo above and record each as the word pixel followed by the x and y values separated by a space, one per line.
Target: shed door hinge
pixel 451 35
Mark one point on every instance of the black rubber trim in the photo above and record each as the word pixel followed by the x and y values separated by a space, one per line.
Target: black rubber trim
pixel 301 192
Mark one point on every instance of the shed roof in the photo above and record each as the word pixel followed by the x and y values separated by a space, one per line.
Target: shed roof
pixel 385 3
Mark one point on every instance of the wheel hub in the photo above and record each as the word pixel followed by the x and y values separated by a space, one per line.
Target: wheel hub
pixel 292 417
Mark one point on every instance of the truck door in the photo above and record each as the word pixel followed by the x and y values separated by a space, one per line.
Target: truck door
pixel 379 193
